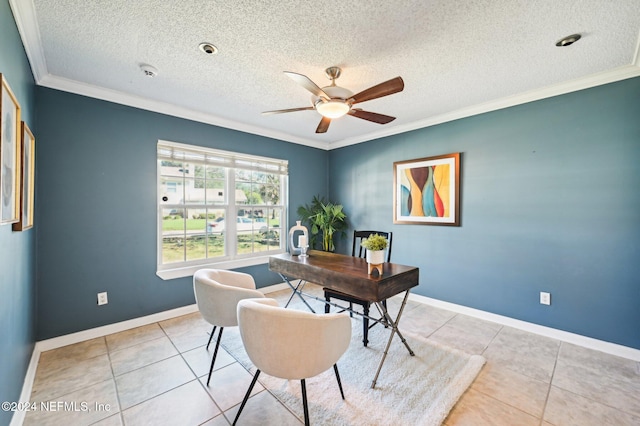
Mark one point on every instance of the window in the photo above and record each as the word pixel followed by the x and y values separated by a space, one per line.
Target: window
pixel 217 208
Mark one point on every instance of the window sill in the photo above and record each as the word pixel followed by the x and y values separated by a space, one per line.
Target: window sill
pixel 169 274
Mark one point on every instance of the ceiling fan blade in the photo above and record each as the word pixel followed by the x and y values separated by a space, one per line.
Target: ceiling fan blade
pixel 281 111
pixel 371 116
pixel 324 125
pixel 389 87
pixel 306 82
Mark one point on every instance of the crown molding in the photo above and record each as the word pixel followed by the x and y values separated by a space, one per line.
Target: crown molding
pixel 636 56
pixel 59 83
pixel 622 73
pixel 84 89
pixel 24 14
pixel 118 97
pixel 25 17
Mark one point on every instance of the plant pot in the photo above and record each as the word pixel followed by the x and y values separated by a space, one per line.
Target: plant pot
pixel 375 259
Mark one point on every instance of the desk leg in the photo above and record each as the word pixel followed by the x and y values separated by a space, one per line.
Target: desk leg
pixel 394 330
pixel 296 290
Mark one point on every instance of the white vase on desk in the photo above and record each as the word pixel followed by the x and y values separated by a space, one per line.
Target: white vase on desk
pixel 300 235
pixel 375 259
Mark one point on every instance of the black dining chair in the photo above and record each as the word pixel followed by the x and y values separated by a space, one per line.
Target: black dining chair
pixel 329 294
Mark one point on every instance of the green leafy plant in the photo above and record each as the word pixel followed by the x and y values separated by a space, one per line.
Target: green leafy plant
pixel 324 219
pixel 374 242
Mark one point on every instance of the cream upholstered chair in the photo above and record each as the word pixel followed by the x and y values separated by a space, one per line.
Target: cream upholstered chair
pixel 291 344
pixel 217 295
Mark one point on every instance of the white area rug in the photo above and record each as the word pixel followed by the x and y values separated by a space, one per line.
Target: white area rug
pixel 411 390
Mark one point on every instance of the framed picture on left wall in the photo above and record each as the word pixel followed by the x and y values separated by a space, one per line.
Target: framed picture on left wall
pixel 9 155
pixel 27 182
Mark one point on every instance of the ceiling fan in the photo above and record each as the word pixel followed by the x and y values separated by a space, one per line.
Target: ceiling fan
pixel 334 101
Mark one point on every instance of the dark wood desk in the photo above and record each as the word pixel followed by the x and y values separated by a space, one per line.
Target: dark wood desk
pixel 348 274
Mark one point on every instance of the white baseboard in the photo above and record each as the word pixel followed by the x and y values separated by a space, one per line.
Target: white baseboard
pixel 57 342
pixel 81 336
pixel 577 339
pixel 564 336
pixel 18 416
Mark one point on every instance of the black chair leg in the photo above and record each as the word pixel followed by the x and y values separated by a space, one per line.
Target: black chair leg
pixel 335 369
pixel 327 307
pixel 304 403
pixel 384 303
pixel 246 396
pixel 365 324
pixel 211 336
pixel 215 353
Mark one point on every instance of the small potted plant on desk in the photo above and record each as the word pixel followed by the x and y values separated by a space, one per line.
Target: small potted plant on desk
pixel 375 246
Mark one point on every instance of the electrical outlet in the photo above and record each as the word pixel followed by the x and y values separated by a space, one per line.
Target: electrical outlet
pixel 545 298
pixel 102 298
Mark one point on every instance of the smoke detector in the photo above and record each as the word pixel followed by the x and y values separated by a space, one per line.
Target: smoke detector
pixel 148 70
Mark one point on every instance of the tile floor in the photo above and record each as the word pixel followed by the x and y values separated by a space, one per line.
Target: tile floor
pixel 156 375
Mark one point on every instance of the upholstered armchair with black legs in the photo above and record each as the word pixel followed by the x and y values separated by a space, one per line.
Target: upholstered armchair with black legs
pixel 217 295
pixel 291 344
pixel 358 250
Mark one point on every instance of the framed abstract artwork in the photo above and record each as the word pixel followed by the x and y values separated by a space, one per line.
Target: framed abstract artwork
pixel 426 191
pixel 27 183
pixel 9 155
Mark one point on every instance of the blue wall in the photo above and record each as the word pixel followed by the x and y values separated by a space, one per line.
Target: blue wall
pixel 17 249
pixel 97 207
pixel 550 201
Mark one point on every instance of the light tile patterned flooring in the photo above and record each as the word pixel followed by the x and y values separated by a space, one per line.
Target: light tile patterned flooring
pixel 156 375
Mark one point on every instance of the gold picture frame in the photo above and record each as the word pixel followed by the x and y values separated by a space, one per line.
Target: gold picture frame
pixel 426 191
pixel 27 181
pixel 9 154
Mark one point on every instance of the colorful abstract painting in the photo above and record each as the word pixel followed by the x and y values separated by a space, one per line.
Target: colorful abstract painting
pixel 426 191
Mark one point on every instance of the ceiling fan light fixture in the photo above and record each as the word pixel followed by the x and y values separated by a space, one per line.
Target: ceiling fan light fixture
pixel 332 108
pixel 334 101
pixel 336 105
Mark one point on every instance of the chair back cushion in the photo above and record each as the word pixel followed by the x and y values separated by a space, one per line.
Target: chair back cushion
pixel 291 344
pixel 218 292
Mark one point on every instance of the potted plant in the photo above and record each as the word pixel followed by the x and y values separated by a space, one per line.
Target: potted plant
pixel 325 219
pixel 375 245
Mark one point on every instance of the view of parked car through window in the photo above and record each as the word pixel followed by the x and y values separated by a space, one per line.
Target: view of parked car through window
pixel 198 198
pixel 243 224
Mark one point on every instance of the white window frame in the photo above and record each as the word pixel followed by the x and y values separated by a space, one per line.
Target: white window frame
pixel 232 161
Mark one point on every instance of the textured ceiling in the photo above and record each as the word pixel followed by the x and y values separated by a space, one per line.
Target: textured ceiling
pixel 456 58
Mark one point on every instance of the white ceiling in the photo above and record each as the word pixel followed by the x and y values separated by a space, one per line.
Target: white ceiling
pixel 457 58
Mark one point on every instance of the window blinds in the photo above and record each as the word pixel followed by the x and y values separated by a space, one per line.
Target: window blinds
pixel 173 151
